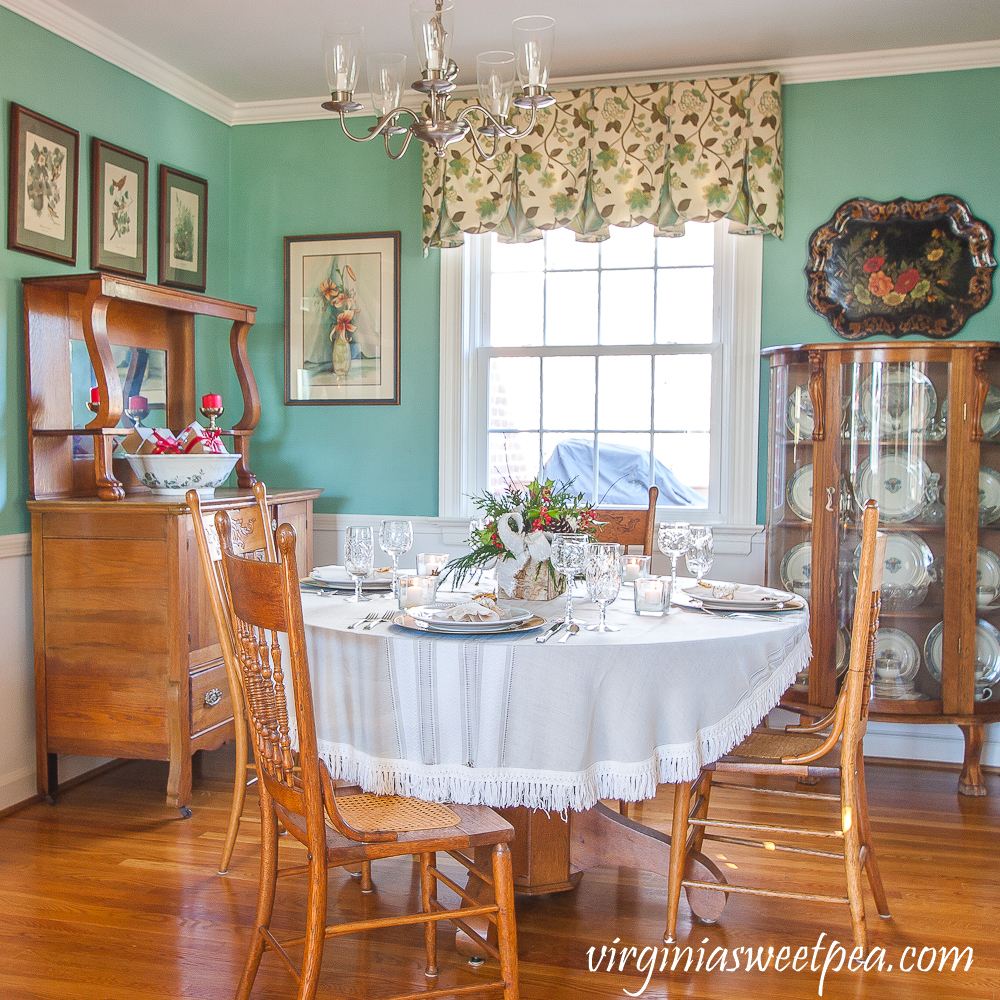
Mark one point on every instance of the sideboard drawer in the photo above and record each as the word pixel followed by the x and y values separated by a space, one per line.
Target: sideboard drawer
pixel 211 700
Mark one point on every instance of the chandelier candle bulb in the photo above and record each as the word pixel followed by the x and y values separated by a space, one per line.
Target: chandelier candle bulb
pixel 652 595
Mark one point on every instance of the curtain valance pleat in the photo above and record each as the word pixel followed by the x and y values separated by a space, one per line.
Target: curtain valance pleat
pixel 664 153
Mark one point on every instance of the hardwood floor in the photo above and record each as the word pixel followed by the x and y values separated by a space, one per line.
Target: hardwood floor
pixel 110 895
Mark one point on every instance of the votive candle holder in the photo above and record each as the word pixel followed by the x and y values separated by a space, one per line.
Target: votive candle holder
pixel 652 595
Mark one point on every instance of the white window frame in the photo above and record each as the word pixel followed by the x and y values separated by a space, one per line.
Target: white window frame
pixel 465 312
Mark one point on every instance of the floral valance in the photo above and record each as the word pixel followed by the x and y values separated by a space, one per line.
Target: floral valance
pixel 664 153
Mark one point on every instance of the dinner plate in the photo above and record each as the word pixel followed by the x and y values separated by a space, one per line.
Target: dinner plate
pixel 428 615
pixel 990 419
pixel 908 561
pixel 796 569
pixel 897 656
pixel 337 578
pixel 468 628
pixel 989 494
pixel 799 492
pixel 898 488
pixel 987 652
pixel 746 598
pixel 843 649
pixel 799 414
pixel 907 401
pixel 987 576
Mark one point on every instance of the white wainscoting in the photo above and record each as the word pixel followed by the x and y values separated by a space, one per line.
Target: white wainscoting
pixel 739 556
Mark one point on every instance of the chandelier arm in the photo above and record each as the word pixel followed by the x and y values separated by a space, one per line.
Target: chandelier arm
pixel 496 123
pixel 478 145
pixel 406 142
pixel 381 126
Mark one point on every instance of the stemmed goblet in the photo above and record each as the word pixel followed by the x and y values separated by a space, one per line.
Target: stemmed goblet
pixel 701 552
pixel 359 557
pixel 604 579
pixel 674 539
pixel 569 557
pixel 395 538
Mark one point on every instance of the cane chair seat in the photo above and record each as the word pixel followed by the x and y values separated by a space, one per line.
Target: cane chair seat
pixel 769 746
pixel 367 813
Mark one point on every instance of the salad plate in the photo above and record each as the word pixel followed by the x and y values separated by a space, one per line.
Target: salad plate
pixel 744 598
pixel 799 492
pixel 989 494
pixel 897 485
pixel 908 561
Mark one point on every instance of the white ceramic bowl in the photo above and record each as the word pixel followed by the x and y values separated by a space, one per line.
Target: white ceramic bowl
pixel 174 475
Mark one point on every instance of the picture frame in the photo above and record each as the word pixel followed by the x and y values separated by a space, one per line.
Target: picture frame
pixel 119 201
pixel 342 319
pixel 900 267
pixel 183 230
pixel 42 186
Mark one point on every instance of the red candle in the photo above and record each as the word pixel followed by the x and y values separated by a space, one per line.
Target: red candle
pixel 95 394
pixel 211 401
pixel 138 403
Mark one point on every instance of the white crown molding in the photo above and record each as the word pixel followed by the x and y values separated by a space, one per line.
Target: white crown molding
pixel 82 31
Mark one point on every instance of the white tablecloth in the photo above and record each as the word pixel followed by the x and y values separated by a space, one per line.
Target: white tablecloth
pixel 505 721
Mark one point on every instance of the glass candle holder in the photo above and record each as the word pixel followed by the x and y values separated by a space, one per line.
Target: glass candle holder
pixel 652 595
pixel 416 589
pixel 634 567
pixel 431 563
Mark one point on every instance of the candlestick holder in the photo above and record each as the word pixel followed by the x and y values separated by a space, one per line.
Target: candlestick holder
pixel 211 412
pixel 137 413
pixel 93 405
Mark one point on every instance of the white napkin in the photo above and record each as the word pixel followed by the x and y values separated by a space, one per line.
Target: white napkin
pixel 471 612
pixel 735 592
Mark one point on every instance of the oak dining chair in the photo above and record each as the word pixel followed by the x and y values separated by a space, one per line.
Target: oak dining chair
pixel 252 538
pixel 802 751
pixel 265 608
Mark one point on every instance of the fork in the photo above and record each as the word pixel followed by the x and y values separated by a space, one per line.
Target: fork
pixel 386 616
pixel 367 618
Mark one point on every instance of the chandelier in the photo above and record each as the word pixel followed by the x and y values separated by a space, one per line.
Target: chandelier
pixel 432 23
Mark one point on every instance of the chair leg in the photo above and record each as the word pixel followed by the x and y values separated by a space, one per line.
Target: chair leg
pixel 850 824
pixel 704 787
pixel 312 956
pixel 239 793
pixel 871 865
pixel 366 877
pixel 624 808
pixel 678 855
pixel 503 886
pixel 428 892
pixel 265 892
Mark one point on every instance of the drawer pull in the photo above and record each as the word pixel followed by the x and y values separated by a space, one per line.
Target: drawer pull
pixel 213 697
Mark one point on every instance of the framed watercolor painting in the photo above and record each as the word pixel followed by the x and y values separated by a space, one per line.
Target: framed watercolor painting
pixel 183 242
pixel 900 267
pixel 119 197
pixel 42 186
pixel 342 318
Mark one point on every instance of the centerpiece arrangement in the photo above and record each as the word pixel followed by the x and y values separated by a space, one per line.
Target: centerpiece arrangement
pixel 514 531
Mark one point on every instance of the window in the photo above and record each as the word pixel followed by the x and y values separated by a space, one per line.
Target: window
pixel 621 363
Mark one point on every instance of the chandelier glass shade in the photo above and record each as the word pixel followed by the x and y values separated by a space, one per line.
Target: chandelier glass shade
pixel 432 24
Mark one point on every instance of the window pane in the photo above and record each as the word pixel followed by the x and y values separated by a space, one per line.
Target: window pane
pixel 562 252
pixel 516 256
pixel 627 307
pixel 514 458
pixel 696 246
pixel 514 394
pixel 633 247
pixel 569 457
pixel 623 470
pixel 624 388
pixel 571 308
pixel 684 305
pixel 683 393
pixel 516 309
pixel 688 457
pixel 568 394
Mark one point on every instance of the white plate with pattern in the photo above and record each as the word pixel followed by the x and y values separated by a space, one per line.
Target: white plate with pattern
pixel 987 576
pixel 799 492
pixel 898 487
pixel 799 416
pixel 989 495
pixel 796 569
pixel 433 615
pixel 897 656
pixel 987 652
pixel 908 561
pixel 906 397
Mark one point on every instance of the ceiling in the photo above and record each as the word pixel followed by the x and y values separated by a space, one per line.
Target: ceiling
pixel 266 50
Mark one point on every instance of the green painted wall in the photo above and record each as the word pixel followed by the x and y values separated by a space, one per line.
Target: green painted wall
pixel 59 80
pixel 903 136
pixel 300 178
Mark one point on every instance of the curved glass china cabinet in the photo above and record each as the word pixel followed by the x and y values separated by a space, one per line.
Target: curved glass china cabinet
pixel 915 425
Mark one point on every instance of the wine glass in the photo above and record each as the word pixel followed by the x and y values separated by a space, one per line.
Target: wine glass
pixel 673 540
pixel 395 537
pixel 569 556
pixel 359 558
pixel 604 579
pixel 701 552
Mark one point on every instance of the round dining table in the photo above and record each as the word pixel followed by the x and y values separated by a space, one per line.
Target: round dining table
pixel 544 731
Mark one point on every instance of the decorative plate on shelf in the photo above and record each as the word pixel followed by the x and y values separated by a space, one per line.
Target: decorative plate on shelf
pixel 907 401
pixel 989 495
pixel 987 577
pixel 908 561
pixel 796 569
pixel 799 415
pixel 987 652
pixel 843 649
pixel 799 492
pixel 897 660
pixel 898 487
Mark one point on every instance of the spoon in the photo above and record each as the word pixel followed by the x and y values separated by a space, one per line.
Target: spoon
pixel 571 629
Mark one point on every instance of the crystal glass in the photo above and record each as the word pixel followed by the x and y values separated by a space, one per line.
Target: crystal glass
pixel 395 537
pixel 569 556
pixel 359 558
pixel 604 579
pixel 674 539
pixel 495 72
pixel 533 40
pixel 386 79
pixel 432 34
pixel 342 55
pixel 701 551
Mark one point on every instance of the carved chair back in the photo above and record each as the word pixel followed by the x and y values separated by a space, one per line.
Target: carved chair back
pixel 629 526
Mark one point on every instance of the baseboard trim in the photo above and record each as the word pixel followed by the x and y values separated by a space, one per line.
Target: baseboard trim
pixel 64 786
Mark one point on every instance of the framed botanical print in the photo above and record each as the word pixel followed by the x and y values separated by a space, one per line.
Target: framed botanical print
pixel 119 197
pixel 42 186
pixel 342 318
pixel 183 241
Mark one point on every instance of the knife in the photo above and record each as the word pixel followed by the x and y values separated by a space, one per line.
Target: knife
pixel 550 631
